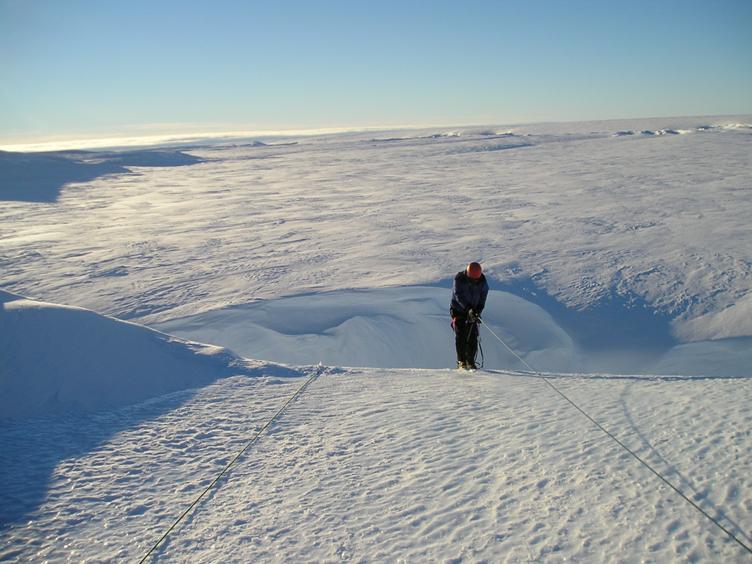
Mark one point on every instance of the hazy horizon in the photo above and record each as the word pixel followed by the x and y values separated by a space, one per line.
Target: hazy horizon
pixel 121 141
pixel 80 70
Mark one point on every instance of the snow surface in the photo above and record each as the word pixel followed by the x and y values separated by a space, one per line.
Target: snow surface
pixel 409 327
pixel 617 247
pixel 403 327
pixel 55 359
pixel 39 177
pixel 656 221
pixel 385 464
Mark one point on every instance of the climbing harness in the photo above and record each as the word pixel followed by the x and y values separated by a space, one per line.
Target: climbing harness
pixel 297 394
pixel 621 444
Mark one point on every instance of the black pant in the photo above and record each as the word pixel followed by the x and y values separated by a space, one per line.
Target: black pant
pixel 465 340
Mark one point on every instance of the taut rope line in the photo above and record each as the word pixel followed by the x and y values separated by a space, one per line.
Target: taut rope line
pixel 621 444
pixel 255 438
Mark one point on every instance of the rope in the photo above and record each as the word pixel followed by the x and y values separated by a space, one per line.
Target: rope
pixel 476 328
pixel 622 445
pixel 470 331
pixel 255 438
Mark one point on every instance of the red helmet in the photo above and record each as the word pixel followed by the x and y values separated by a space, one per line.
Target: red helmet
pixel 474 270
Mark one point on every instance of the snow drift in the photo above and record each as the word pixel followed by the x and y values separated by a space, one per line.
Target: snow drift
pixel 408 327
pixel 55 358
pixel 387 327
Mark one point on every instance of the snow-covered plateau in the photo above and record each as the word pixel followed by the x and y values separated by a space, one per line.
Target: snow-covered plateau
pixel 159 306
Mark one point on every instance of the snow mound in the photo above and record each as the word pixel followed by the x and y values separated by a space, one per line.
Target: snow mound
pixel 444 134
pixel 734 126
pixel 408 327
pixel 659 132
pixel 393 327
pixel 727 324
pixel 57 358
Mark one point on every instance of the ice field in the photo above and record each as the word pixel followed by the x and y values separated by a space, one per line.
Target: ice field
pixel 159 305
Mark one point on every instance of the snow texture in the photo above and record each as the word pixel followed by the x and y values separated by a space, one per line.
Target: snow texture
pixel 409 327
pixel 384 464
pixel 55 359
pixel 618 247
pixel 658 222
pixel 39 177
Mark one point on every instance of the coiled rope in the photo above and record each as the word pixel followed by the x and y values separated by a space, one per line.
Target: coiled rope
pixel 316 374
pixel 621 444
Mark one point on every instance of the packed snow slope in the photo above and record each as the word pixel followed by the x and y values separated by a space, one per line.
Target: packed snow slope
pixel 56 358
pixel 61 364
pixel 387 465
pixel 409 327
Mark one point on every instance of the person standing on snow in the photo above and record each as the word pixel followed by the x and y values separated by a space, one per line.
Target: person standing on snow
pixel 469 293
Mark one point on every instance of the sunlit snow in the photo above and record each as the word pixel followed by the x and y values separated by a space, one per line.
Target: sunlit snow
pixel 620 262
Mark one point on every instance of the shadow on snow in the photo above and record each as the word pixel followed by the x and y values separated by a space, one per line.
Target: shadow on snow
pixel 39 177
pixel 617 322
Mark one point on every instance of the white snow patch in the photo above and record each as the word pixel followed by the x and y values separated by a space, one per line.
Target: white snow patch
pixel 55 358
pixel 393 327
pixel 728 323
pixel 389 465
pixel 408 327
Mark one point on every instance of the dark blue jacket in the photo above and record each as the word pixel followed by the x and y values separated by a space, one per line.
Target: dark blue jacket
pixel 468 294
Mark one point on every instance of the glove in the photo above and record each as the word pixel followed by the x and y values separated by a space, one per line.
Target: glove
pixel 473 317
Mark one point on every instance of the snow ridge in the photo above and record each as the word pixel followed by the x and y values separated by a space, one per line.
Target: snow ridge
pixel 59 358
pixel 367 463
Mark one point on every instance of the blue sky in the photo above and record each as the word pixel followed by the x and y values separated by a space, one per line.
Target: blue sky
pixel 106 67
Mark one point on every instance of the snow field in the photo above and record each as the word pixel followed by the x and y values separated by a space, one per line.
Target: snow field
pixel 408 327
pixel 403 464
pixel 499 470
pixel 56 358
pixel 640 237
pixel 104 486
pixel 661 219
